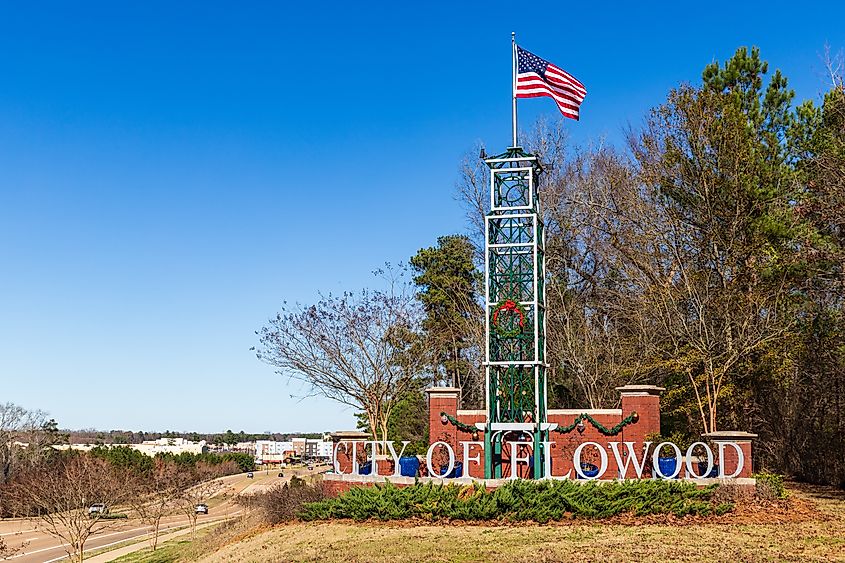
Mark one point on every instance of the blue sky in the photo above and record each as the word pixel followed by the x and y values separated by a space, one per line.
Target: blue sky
pixel 170 173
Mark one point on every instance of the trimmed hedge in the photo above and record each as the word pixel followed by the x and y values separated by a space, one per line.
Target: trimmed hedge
pixel 519 500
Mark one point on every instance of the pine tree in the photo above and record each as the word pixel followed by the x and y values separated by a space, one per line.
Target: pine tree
pixel 449 286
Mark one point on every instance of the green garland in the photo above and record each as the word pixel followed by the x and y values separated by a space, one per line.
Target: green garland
pixel 460 425
pixel 630 419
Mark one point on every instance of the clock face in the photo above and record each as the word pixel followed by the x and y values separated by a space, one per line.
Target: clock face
pixel 512 189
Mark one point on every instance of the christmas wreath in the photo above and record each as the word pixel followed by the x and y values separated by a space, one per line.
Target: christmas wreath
pixel 511 307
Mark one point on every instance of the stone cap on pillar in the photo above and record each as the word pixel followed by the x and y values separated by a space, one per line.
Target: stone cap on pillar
pixel 730 436
pixel 349 435
pixel 444 392
pixel 640 390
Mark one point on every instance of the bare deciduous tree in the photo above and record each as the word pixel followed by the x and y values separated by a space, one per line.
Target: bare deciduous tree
pixel 205 487
pixel 834 65
pixel 362 350
pixel 159 494
pixel 599 337
pixel 471 329
pixel 17 428
pixel 62 492
pixel 7 552
pixel 473 191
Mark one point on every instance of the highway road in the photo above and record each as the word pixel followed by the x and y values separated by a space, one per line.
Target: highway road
pixel 41 547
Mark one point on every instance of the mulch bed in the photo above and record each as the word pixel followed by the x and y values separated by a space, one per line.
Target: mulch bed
pixel 747 511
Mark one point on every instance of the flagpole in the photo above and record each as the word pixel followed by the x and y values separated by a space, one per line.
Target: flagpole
pixel 513 83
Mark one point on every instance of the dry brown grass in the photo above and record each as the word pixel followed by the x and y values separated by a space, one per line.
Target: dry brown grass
pixel 812 529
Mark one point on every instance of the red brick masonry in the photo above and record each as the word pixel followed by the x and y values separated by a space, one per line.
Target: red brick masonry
pixel 642 399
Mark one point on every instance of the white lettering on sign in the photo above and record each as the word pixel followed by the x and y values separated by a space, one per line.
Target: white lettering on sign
pixel 515 459
pixel 467 446
pixel 624 459
pixel 346 443
pixel 655 460
pixel 740 457
pixel 710 461
pixel 630 457
pixel 547 464
pixel 373 458
pixel 397 470
pixel 430 452
pixel 335 464
pixel 576 461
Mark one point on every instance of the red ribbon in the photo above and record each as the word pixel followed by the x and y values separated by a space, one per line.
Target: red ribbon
pixel 511 306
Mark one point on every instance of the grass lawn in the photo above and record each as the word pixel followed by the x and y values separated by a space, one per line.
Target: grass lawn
pixel 166 553
pixel 816 533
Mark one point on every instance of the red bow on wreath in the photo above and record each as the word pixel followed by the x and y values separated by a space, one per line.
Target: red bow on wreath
pixel 510 306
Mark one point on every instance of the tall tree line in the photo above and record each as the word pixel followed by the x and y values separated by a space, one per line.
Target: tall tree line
pixel 705 256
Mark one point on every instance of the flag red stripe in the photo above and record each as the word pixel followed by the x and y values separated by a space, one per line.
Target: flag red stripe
pixel 566 111
pixel 555 81
pixel 563 89
pixel 552 78
pixel 533 80
pixel 566 76
pixel 567 90
pixel 535 84
pixel 537 92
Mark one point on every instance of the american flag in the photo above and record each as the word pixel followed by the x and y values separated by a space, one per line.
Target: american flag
pixel 538 77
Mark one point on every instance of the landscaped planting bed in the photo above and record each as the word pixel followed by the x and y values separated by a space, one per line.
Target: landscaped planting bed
pixel 519 500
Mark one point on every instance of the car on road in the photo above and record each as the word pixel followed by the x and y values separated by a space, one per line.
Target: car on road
pixel 98 509
pixel 310 468
pixel 250 475
pixel 201 508
pixel 281 474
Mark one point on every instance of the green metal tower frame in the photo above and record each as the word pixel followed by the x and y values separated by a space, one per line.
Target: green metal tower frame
pixel 515 358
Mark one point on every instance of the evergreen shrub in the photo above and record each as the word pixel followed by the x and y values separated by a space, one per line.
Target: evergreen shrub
pixel 519 500
pixel 770 486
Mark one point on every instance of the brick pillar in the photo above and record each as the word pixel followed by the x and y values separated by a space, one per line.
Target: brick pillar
pixel 344 454
pixel 443 399
pixel 729 464
pixel 645 401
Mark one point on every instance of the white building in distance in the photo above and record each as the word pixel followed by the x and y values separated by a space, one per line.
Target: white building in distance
pixel 269 451
pixel 170 446
pixel 174 446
